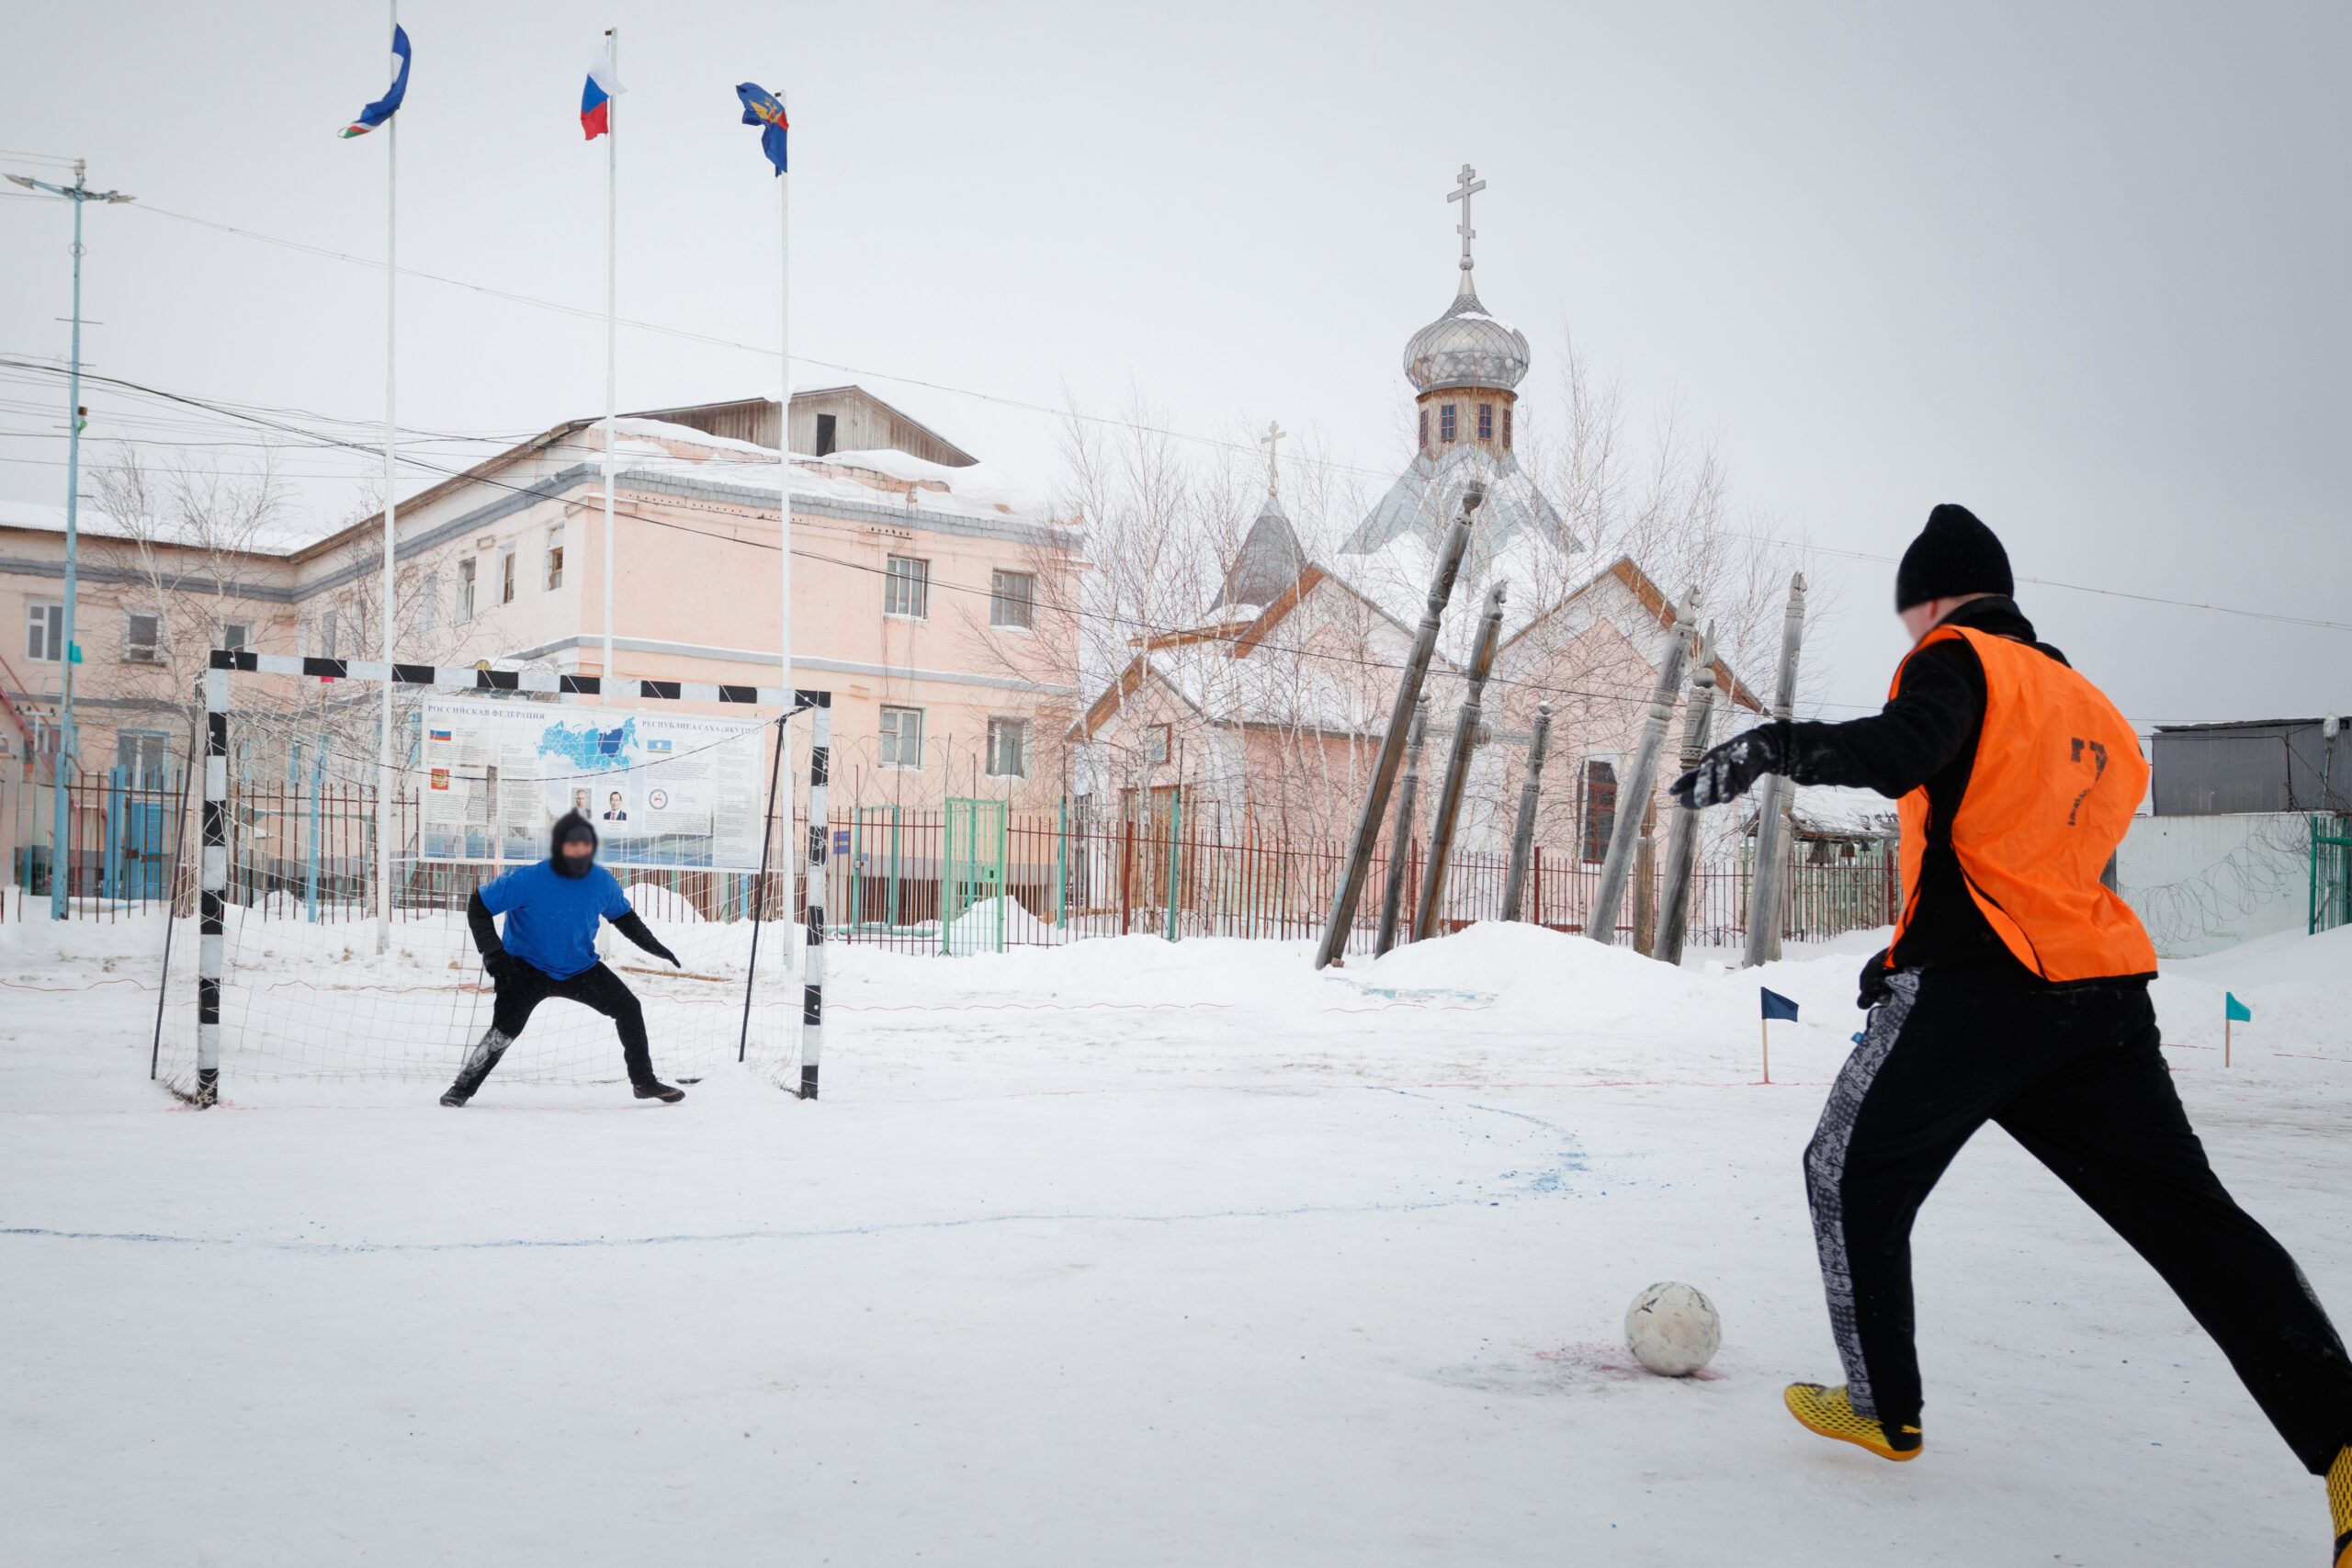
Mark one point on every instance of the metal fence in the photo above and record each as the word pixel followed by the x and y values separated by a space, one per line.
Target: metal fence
pixel 2330 899
pixel 977 879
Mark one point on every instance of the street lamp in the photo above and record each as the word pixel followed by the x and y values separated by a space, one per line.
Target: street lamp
pixel 60 853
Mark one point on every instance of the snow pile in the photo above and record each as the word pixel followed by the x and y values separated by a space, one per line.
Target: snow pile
pixel 662 905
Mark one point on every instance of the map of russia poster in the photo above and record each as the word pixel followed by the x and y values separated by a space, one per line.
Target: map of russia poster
pixel 663 789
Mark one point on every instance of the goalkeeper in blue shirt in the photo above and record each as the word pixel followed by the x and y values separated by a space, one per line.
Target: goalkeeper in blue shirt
pixel 549 949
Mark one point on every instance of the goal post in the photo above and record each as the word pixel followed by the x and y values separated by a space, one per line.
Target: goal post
pixel 678 827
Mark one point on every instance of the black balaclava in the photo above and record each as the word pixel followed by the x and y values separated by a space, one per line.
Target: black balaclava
pixel 1953 555
pixel 569 827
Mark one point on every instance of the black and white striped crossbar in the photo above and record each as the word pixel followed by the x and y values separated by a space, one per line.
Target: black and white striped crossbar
pixel 464 678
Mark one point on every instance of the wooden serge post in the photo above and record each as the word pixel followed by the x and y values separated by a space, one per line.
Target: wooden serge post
pixel 1457 766
pixel 1601 921
pixel 1682 836
pixel 1523 837
pixel 1773 800
pixel 1392 739
pixel 820 851
pixel 1401 840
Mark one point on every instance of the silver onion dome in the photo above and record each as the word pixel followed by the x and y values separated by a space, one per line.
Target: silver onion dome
pixel 1465 347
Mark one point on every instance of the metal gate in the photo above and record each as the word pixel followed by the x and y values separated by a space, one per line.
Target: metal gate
pixel 971 881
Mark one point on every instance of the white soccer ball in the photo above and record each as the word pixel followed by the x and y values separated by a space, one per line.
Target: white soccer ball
pixel 1672 1329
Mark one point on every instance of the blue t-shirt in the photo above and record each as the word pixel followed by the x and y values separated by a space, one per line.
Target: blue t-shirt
pixel 551 917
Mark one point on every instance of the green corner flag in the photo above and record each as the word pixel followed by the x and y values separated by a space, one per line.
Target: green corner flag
pixel 2235 1010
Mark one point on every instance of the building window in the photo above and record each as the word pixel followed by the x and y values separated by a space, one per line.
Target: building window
pixel 236 634
pixel 1485 421
pixel 466 589
pixel 1008 747
pixel 902 739
pixel 1155 744
pixel 45 633
pixel 142 638
pixel 1425 427
pixel 1599 809
pixel 1446 422
pixel 555 557
pixel 506 577
pixel 825 428
pixel 906 590
pixel 430 618
pixel 326 635
pixel 1013 600
pixel 1506 427
pixel 141 755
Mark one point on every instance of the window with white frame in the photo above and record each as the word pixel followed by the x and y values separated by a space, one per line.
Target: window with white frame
pixel 1008 748
pixel 555 557
pixel 506 577
pixel 906 589
pixel 45 633
pixel 236 634
pixel 142 637
pixel 1156 739
pixel 901 738
pixel 466 589
pixel 1013 600
pixel 144 756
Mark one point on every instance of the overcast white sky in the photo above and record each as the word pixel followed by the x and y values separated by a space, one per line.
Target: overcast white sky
pixel 2081 268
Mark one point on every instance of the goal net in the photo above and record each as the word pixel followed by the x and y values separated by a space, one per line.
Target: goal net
pixel 274 969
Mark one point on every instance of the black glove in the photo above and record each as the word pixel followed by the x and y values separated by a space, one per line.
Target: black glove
pixel 1724 774
pixel 1873 987
pixel 632 926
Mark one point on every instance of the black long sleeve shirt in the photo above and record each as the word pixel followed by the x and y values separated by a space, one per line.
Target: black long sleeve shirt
pixel 1926 734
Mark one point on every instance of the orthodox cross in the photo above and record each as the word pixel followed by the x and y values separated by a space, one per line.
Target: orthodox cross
pixel 1471 186
pixel 1272 441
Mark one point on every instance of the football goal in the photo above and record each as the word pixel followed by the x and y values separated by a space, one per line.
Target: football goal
pixel 327 937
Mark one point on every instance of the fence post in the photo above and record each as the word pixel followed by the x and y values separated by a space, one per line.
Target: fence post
pixel 1127 875
pixel 1601 921
pixel 1774 800
pixel 1523 837
pixel 1682 838
pixel 1539 885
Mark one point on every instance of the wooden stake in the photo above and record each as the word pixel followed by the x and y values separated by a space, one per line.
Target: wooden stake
pixel 2226 1022
pixel 1766 1025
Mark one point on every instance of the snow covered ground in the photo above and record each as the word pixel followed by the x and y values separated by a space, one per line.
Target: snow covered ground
pixel 1121 1253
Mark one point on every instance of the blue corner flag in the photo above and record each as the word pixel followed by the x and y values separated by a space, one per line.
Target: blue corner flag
pixel 764 108
pixel 1778 1005
pixel 2235 1010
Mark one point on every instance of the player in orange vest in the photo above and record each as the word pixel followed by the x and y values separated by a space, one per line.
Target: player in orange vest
pixel 2015 991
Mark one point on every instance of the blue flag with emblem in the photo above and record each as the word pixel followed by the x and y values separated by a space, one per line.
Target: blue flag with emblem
pixel 1778 1005
pixel 762 108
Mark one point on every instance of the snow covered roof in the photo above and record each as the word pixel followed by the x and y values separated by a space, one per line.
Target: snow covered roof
pixel 1833 811
pixel 1422 503
pixel 1270 561
pixel 272 538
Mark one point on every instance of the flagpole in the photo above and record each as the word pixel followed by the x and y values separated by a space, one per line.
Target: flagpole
pixel 612 310
pixel 783 412
pixel 384 816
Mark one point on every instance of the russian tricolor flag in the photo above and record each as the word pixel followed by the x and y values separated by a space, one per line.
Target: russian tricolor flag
pixel 597 98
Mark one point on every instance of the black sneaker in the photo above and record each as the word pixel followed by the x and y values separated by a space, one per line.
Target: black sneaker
pixel 458 1094
pixel 654 1088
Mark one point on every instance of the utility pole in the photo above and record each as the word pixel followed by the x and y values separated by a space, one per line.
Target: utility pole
pixel 1600 922
pixel 1774 801
pixel 1457 765
pixel 1523 837
pixel 1682 837
pixel 1401 840
pixel 1392 741
pixel 61 855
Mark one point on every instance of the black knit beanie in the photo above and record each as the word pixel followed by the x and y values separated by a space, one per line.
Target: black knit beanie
pixel 1953 555
pixel 568 827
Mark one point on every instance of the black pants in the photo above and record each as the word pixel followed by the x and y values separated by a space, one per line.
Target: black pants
pixel 526 987
pixel 2077 1076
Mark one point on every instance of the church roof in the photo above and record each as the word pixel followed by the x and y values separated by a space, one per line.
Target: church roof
pixel 1423 502
pixel 1465 347
pixel 1270 561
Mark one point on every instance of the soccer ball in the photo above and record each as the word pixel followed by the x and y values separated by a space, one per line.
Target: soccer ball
pixel 1672 1329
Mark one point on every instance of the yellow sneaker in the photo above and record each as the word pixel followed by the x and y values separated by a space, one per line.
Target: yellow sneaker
pixel 1828 1412
pixel 2339 1503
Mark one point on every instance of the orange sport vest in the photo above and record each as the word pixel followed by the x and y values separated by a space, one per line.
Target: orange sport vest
pixel 2057 778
